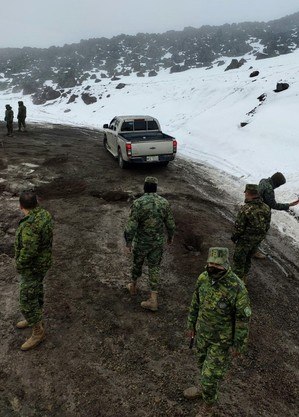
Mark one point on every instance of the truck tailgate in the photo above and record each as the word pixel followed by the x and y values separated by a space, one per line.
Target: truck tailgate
pixel 156 147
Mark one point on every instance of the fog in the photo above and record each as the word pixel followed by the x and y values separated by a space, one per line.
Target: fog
pixel 33 23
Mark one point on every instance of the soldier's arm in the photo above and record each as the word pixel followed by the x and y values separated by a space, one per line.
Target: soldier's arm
pixel 169 223
pixel 240 225
pixel 242 319
pixel 29 249
pixel 132 225
pixel 194 308
pixel 269 199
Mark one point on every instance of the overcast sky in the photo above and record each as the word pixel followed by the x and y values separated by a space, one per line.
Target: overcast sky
pixel 43 23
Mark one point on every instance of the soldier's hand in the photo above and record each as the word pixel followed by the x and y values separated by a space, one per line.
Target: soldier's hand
pixel 294 203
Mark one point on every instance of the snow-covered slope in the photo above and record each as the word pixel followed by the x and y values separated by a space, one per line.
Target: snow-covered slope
pixel 203 109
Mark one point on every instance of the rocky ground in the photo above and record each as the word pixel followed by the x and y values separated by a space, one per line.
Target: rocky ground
pixel 104 356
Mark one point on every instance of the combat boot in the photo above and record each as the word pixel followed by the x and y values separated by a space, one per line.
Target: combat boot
pixel 192 393
pixel 23 324
pixel 132 287
pixel 152 302
pixel 206 410
pixel 38 335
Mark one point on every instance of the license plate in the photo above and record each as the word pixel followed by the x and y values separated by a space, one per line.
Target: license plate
pixel 152 158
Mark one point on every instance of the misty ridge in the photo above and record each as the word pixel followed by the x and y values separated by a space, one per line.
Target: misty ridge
pixel 25 70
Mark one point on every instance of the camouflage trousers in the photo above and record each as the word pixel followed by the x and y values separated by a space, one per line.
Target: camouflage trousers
pixel 213 362
pixel 32 297
pixel 21 122
pixel 244 251
pixel 153 254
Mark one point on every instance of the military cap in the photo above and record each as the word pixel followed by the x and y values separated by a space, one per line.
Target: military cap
pixel 151 180
pixel 218 256
pixel 251 188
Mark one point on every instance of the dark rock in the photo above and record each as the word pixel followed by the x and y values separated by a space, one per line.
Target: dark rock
pixel 126 73
pixel 208 68
pixel 88 99
pixel 114 78
pixel 262 97
pixel 30 88
pixel 93 77
pixel 140 74
pixel 219 63
pixel 175 68
pixel 152 73
pixel 87 87
pixel 16 89
pixel 235 64
pixel 44 95
pixel 67 110
pixel 254 74
pixel 281 87
pixel 243 124
pixel 103 75
pixel 72 98
pixel 120 86
pixel 108 95
pixel 97 80
pixel 260 55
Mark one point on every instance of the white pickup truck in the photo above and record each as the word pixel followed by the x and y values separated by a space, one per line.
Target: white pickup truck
pixel 138 139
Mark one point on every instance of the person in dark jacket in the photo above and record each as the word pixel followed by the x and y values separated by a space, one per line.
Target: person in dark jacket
pixel 9 119
pixel 22 113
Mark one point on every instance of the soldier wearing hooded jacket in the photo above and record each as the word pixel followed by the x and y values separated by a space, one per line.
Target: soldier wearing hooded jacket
pixel 218 318
pixel 33 254
pixel 9 119
pixel 251 227
pixel 266 189
pixel 22 113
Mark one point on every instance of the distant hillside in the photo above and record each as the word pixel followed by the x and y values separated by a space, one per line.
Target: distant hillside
pixel 25 70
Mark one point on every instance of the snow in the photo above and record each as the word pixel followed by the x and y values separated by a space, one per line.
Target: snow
pixel 203 109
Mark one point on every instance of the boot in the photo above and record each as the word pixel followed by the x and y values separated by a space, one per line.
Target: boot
pixel 152 302
pixel 38 334
pixel 192 392
pixel 132 287
pixel 23 324
pixel 206 410
pixel 259 255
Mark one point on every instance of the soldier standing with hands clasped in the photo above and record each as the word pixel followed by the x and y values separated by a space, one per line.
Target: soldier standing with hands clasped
pixel 144 235
pixel 33 253
pixel 218 318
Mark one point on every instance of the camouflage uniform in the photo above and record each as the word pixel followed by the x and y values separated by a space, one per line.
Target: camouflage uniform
pixel 266 190
pixel 9 120
pixel 251 227
pixel 219 313
pixel 33 253
pixel 22 113
pixel 145 228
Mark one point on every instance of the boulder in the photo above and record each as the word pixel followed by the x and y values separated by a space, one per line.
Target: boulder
pixel 262 97
pixel 93 77
pixel 152 73
pixel 88 99
pixel 103 75
pixel 120 86
pixel 235 64
pixel 97 80
pixel 281 87
pixel 140 74
pixel 72 98
pixel 114 78
pixel 44 95
pixel 254 74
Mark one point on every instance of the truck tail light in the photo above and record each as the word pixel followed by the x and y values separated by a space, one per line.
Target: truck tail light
pixel 175 145
pixel 129 149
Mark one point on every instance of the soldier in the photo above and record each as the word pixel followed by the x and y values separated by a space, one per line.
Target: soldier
pixel 9 120
pixel 33 253
pixel 266 189
pixel 219 320
pixel 22 113
pixel 145 230
pixel 251 227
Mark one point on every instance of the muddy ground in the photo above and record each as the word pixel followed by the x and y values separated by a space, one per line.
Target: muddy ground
pixel 104 356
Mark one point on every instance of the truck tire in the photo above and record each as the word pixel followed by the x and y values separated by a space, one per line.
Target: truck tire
pixel 164 163
pixel 121 163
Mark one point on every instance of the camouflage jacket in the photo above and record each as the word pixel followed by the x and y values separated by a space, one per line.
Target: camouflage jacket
pixel 220 310
pixel 22 112
pixel 8 116
pixel 33 244
pixel 149 214
pixel 266 191
pixel 253 221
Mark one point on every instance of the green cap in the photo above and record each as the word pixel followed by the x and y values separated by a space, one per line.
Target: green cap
pixel 151 180
pixel 219 256
pixel 251 188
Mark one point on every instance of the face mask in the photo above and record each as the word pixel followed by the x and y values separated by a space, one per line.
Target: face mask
pixel 215 272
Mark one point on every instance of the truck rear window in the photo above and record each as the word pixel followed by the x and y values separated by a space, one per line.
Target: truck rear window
pixel 130 126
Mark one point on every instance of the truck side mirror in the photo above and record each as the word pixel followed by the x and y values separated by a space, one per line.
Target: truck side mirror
pixel 105 126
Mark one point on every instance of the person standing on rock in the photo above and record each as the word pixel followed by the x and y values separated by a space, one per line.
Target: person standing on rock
pixel 251 227
pixel 218 320
pixel 145 233
pixel 9 120
pixel 22 113
pixel 33 254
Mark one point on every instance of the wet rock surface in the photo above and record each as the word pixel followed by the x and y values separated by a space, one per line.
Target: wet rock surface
pixel 103 355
